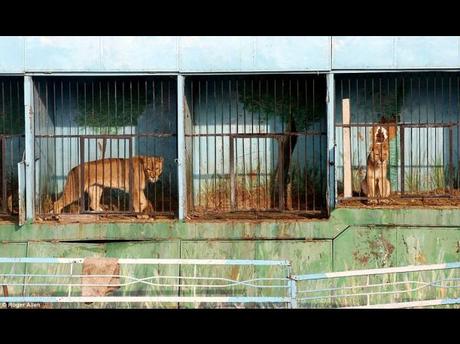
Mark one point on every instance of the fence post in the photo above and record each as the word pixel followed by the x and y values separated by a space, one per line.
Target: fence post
pixel 293 289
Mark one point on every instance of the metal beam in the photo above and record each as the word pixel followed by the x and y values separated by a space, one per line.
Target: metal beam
pixel 29 147
pixel 181 168
pixel 331 181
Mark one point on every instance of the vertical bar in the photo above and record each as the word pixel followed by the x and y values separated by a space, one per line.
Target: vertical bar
pixel 232 173
pixel 181 168
pixel 131 175
pixel 347 187
pixel 401 145
pixel 367 284
pixel 82 174
pixel 29 147
pixel 331 184
pixel 70 284
pixel 4 186
pixel 292 289
pixel 451 161
pixel 21 192
pixel 281 174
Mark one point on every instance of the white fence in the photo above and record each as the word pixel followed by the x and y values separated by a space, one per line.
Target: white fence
pixel 226 283
pixel 197 281
pixel 400 287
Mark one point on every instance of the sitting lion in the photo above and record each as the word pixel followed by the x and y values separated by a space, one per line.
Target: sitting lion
pixel 112 173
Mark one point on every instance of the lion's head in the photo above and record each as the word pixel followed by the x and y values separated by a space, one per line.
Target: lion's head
pixel 153 167
pixel 379 153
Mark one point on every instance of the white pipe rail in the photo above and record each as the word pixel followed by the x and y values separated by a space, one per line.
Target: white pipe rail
pixel 217 282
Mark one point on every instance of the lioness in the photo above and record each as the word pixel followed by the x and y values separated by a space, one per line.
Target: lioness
pixel 113 173
pixel 376 173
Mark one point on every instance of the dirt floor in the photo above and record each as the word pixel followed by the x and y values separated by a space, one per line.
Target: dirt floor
pixel 429 199
pixel 254 215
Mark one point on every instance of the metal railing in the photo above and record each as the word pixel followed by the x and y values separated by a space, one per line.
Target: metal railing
pixel 181 281
pixel 400 287
pixel 227 283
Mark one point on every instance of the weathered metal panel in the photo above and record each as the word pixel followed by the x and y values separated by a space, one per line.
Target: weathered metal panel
pixel 164 249
pixel 13 250
pixel 238 249
pixel 57 250
pixel 365 247
pixel 212 54
pixel 305 256
pixel 140 53
pixel 11 54
pixel 245 54
pixel 428 245
pixel 427 52
pixel 292 53
pixel 63 54
pixel 358 52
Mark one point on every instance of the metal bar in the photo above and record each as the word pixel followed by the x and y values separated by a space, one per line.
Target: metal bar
pixel 331 193
pixel 403 167
pixel 113 299
pixel 347 177
pixel 82 174
pixel 29 147
pixel 4 184
pixel 451 159
pixel 131 176
pixel 5 292
pixel 281 174
pixel 22 192
pixel 152 261
pixel 232 173
pixel 412 304
pixel 181 158
pixel 410 268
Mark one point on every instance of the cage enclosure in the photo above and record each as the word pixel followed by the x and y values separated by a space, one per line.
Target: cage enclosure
pixel 256 145
pixel 397 137
pixel 11 142
pixel 105 145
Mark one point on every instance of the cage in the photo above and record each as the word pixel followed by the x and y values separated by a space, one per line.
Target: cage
pixel 11 142
pixel 256 145
pixel 105 145
pixel 397 137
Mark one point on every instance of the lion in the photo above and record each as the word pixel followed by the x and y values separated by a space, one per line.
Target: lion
pixel 111 173
pixel 376 183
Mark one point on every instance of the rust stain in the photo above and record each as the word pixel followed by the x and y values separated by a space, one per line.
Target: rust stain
pixel 363 259
pixel 420 258
pixel 235 273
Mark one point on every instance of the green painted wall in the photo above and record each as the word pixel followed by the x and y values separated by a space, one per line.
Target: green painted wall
pixel 349 239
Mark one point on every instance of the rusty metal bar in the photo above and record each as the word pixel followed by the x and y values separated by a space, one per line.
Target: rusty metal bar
pixel 403 166
pixel 131 176
pixel 281 174
pixel 82 174
pixel 451 159
pixel 4 184
pixel 5 293
pixel 232 173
